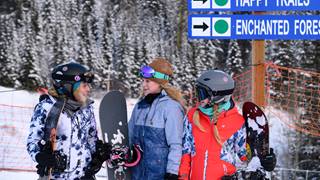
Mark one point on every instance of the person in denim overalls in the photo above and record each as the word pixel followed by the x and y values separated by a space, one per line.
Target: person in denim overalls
pixel 156 124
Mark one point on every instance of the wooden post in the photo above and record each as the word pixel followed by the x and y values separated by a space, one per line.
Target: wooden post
pixel 258 70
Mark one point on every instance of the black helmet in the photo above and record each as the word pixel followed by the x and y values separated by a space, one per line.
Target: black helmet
pixel 66 75
pixel 215 85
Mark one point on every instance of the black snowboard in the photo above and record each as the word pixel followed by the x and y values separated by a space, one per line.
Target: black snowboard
pixel 257 130
pixel 114 126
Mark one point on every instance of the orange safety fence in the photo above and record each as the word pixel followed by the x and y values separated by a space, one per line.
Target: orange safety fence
pixel 296 92
pixel 14 125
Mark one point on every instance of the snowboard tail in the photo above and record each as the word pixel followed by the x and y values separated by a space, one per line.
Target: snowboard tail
pixel 257 130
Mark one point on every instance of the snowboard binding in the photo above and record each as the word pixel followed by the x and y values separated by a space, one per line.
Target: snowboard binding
pixel 123 156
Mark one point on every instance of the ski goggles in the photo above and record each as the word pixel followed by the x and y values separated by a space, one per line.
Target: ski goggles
pixel 85 77
pixel 149 72
pixel 204 92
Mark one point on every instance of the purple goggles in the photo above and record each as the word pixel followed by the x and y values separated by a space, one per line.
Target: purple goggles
pixel 149 72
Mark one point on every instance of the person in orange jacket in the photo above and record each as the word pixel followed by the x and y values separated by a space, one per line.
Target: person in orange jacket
pixel 214 138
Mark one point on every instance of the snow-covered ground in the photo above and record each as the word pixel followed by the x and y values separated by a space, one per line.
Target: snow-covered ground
pixel 278 129
pixel 277 135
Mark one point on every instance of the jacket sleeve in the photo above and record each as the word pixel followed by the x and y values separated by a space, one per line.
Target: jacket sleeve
pixel 131 124
pixel 36 130
pixel 173 130
pixel 92 134
pixel 240 143
pixel 187 151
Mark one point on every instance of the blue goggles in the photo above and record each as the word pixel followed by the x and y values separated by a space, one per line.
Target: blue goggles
pixel 149 72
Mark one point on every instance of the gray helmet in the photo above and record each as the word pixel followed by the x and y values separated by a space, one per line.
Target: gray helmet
pixel 216 85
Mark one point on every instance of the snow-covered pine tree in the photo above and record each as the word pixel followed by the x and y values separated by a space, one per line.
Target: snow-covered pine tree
pixel 29 75
pixel 234 61
pixel 8 52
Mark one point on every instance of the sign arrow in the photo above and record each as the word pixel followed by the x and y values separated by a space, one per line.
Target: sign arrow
pixel 203 1
pixel 204 26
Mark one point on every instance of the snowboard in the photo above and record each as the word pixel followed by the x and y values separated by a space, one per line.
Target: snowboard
pixel 257 130
pixel 114 127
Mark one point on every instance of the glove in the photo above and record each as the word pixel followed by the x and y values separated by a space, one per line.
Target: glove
pixel 47 159
pixel 269 161
pixel 103 151
pixel 169 176
pixel 42 170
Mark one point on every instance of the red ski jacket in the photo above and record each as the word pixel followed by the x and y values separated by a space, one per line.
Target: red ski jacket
pixel 203 157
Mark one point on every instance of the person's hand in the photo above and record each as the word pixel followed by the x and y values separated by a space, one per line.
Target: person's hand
pixel 45 156
pixel 169 176
pixel 269 161
pixel 103 150
pixel 102 153
pixel 48 159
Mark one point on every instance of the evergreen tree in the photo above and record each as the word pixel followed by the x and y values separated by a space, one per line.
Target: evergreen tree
pixel 7 64
pixel 234 62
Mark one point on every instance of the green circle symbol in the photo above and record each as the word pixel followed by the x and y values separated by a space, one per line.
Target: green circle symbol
pixel 221 26
pixel 221 2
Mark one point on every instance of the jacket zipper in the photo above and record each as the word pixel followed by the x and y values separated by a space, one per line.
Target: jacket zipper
pixel 205 165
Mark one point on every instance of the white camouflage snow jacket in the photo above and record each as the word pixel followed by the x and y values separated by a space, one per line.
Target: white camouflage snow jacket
pixel 76 137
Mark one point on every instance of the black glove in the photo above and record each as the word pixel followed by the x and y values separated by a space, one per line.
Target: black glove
pixel 269 161
pixel 42 170
pixel 169 176
pixel 103 151
pixel 47 159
